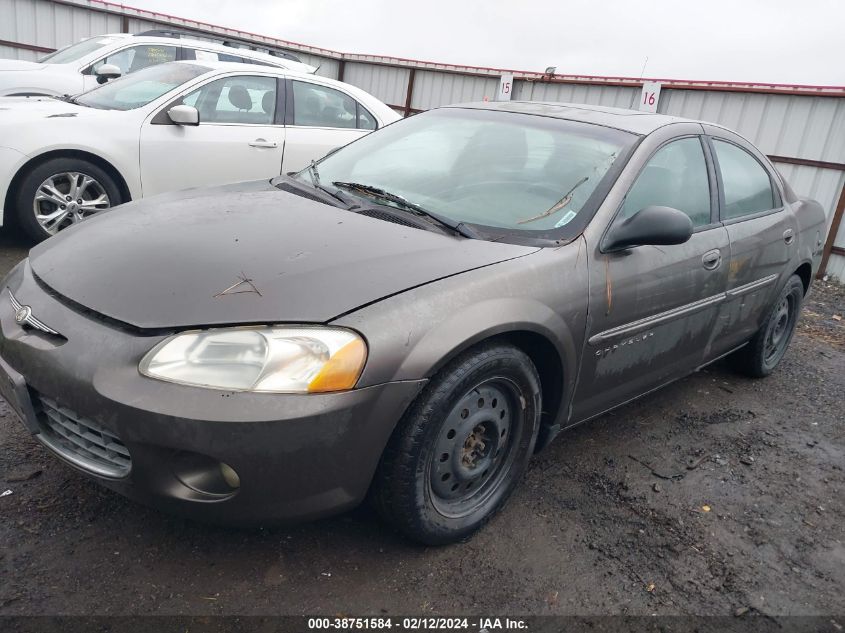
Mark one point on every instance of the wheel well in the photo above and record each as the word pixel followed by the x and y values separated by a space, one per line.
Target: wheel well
pixel 64 153
pixel 549 366
pixel 805 272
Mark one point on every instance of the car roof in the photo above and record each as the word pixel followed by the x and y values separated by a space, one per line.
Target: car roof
pixel 287 72
pixel 280 62
pixel 629 120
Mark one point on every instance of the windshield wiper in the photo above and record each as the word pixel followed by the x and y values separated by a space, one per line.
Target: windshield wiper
pixel 314 173
pixel 458 227
pixel 557 206
pixel 65 97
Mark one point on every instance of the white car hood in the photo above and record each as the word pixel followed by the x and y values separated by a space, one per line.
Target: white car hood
pixel 18 64
pixel 14 110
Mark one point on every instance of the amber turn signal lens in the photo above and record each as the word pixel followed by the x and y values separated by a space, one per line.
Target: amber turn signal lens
pixel 342 371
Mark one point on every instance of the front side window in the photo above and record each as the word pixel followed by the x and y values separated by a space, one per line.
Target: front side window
pixel 676 176
pixel 141 88
pixel 320 106
pixel 243 99
pixel 503 170
pixel 136 58
pixel 77 51
pixel 747 186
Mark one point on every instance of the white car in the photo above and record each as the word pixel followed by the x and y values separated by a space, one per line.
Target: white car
pixel 95 60
pixel 171 126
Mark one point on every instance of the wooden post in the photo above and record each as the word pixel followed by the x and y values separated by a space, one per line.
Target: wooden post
pixel 831 236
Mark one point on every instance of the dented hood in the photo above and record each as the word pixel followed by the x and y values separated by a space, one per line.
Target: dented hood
pixel 179 260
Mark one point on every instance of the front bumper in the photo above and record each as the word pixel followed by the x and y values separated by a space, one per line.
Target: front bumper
pixel 298 457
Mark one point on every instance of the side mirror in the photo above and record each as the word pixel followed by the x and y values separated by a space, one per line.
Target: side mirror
pixel 655 226
pixel 184 115
pixel 106 72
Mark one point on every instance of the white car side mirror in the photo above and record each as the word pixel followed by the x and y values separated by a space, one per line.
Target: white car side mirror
pixel 184 115
pixel 106 72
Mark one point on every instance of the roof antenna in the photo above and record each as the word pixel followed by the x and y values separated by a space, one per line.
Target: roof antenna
pixel 645 63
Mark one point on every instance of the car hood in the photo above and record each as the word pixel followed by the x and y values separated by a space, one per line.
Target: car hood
pixel 14 110
pixel 245 253
pixel 17 64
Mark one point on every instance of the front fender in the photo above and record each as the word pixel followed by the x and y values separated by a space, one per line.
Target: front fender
pixel 413 334
pixel 484 320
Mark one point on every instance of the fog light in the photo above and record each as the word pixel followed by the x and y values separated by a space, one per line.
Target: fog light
pixel 205 475
pixel 230 476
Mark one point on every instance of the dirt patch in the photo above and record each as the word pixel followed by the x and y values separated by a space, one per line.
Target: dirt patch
pixel 824 313
pixel 716 495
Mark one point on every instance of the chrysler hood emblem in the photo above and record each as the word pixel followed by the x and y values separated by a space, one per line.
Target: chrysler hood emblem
pixel 23 313
pixel 23 316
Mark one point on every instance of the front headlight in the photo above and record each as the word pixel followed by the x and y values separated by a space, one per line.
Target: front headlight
pixel 265 359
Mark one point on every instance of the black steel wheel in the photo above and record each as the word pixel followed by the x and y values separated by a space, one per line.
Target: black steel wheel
pixel 462 446
pixel 766 349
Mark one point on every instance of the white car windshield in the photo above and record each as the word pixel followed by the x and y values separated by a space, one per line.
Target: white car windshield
pixel 77 51
pixel 496 169
pixel 140 88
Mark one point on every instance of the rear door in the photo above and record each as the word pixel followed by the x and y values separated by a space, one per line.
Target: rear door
pixel 320 119
pixel 762 232
pixel 240 136
pixel 653 309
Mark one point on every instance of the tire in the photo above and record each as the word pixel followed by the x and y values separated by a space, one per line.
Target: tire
pixel 462 447
pixel 766 349
pixel 65 181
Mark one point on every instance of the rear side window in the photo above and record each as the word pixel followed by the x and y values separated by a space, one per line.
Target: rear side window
pixel 242 99
pixel 212 56
pixel 676 176
pixel 137 57
pixel 320 106
pixel 747 186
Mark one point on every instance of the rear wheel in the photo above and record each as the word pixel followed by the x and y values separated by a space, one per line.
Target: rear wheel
pixel 766 349
pixel 60 192
pixel 462 447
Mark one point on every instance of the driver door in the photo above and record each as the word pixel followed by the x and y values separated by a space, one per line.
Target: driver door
pixel 240 136
pixel 653 308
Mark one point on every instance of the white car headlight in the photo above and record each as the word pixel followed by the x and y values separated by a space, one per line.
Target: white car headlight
pixel 274 359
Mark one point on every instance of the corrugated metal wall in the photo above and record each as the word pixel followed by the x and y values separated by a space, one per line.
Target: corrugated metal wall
pixel 804 127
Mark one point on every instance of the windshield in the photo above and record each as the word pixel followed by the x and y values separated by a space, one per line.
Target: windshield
pixel 490 168
pixel 140 88
pixel 77 51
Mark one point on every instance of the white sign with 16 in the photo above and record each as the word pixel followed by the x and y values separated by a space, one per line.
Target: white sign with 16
pixel 650 96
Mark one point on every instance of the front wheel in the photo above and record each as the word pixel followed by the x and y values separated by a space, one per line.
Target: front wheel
pixel 61 192
pixel 462 446
pixel 766 349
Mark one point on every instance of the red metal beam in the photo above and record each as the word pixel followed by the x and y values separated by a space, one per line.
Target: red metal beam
pixel 807 162
pixel 27 47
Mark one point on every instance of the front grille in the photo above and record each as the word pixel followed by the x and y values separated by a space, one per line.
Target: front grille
pixel 81 441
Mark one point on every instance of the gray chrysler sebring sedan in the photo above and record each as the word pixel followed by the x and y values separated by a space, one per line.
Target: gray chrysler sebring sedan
pixel 408 319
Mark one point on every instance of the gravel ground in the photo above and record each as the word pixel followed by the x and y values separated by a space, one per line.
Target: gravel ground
pixel 716 495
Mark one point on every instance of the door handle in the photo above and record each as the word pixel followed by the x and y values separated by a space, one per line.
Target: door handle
pixel 262 142
pixel 788 236
pixel 711 259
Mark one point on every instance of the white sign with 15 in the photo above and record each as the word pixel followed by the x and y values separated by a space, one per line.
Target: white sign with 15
pixel 505 88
